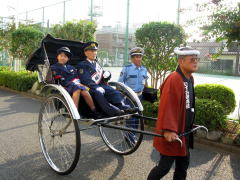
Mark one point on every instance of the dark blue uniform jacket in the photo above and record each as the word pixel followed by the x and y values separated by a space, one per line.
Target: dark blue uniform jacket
pixel 68 75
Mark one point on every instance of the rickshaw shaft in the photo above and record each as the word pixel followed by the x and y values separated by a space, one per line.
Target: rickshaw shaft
pixel 151 133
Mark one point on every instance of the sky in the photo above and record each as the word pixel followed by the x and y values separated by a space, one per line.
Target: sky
pixel 112 11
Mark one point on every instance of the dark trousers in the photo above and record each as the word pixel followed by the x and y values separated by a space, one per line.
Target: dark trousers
pixel 104 105
pixel 111 102
pixel 165 164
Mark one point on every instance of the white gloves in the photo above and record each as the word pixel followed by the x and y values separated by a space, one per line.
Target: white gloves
pixel 107 76
pixel 101 90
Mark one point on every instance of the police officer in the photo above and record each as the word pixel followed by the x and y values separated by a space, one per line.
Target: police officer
pixel 92 74
pixel 135 75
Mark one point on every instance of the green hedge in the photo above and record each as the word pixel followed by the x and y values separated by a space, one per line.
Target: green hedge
pixel 210 113
pixel 224 95
pixel 150 110
pixel 20 81
pixel 4 68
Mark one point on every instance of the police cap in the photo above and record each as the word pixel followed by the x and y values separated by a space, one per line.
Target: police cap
pixel 136 51
pixel 65 50
pixel 90 46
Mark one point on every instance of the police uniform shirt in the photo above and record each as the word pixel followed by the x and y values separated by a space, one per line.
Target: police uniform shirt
pixel 134 77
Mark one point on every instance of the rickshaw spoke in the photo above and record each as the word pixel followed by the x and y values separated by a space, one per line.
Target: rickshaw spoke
pixel 60 149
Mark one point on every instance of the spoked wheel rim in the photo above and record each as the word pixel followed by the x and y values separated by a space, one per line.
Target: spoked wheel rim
pixel 59 135
pixel 121 141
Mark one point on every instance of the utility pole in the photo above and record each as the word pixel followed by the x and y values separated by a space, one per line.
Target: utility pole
pixel 91 11
pixel 178 12
pixel 126 37
pixel 64 12
pixel 43 17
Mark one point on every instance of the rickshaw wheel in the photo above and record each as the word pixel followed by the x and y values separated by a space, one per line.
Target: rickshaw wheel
pixel 59 135
pixel 120 141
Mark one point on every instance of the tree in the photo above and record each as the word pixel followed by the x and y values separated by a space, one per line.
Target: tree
pixel 224 24
pixel 5 37
pixel 82 30
pixel 24 41
pixel 102 55
pixel 159 40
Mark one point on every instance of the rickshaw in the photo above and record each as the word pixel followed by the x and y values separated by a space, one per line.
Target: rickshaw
pixel 61 124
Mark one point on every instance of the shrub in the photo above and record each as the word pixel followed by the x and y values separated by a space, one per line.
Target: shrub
pixel 224 95
pixel 210 113
pixel 4 68
pixel 150 110
pixel 20 81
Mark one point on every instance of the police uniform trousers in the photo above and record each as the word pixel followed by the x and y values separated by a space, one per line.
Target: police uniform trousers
pixel 111 102
pixel 133 122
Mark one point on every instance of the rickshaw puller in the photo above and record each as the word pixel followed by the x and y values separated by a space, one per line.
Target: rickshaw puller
pixel 175 116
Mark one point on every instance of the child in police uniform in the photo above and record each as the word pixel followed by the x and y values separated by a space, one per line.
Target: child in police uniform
pixel 69 78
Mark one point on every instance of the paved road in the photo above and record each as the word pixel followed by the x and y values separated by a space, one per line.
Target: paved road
pixel 21 157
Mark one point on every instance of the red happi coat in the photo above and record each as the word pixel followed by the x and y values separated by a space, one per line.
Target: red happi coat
pixel 171 115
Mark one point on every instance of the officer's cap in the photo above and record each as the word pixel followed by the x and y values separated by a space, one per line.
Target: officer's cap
pixel 90 46
pixel 186 51
pixel 136 51
pixel 65 50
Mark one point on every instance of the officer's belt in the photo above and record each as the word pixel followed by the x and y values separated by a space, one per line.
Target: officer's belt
pixel 139 93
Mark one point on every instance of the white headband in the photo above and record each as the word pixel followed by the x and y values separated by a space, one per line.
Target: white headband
pixel 189 52
pixel 136 54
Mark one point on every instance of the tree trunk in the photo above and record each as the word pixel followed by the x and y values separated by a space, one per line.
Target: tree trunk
pixel 237 60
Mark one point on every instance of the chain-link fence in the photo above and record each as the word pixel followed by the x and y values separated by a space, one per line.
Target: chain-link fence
pixel 219 65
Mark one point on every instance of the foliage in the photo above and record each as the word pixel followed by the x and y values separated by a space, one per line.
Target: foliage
pixel 158 39
pixel 224 95
pixel 5 37
pixel 237 140
pixel 102 54
pixel 210 114
pixel 224 24
pixel 20 81
pixel 4 68
pixel 82 30
pixel 150 110
pixel 24 41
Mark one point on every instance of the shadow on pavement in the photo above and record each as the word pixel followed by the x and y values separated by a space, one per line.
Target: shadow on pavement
pixel 235 167
pixel 18 104
pixel 213 163
pixel 94 156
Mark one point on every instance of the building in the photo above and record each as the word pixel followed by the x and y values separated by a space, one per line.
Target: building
pixel 112 45
pixel 215 61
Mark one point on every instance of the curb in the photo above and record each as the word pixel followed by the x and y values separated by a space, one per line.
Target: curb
pixel 199 141
pixel 217 145
pixel 27 94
